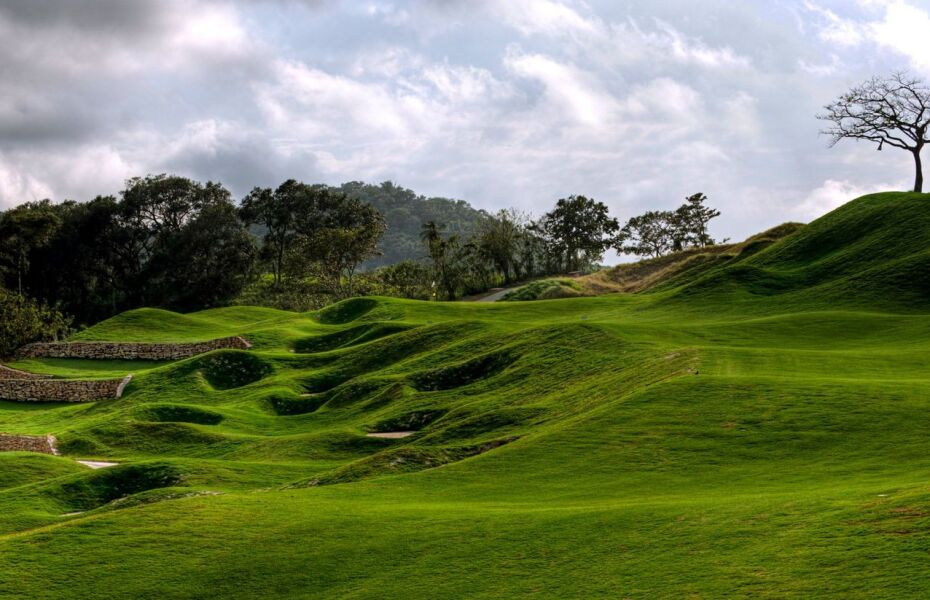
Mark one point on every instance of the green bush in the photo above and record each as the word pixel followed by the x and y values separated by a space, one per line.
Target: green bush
pixel 23 320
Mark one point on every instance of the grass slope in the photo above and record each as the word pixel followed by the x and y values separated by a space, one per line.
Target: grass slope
pixel 756 428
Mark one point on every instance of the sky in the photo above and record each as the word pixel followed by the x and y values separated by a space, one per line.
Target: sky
pixel 503 103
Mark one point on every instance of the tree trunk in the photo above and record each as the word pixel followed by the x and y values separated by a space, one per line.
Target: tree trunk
pixel 919 178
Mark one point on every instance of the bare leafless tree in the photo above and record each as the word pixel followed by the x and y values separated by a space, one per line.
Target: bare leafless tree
pixel 891 110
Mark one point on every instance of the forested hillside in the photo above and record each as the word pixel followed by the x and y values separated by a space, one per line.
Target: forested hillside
pixel 405 212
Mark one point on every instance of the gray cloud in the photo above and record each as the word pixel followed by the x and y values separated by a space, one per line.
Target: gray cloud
pixel 107 17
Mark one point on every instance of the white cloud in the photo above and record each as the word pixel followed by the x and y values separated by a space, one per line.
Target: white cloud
pixel 164 35
pixel 390 61
pixel 822 69
pixel 899 26
pixel 80 173
pixel 836 29
pixel 548 17
pixel 206 31
pixel 570 91
pixel 832 194
pixel 664 98
pixel 740 116
pixel 695 51
pixel 324 108
pixel 382 122
pixel 18 186
pixel 906 30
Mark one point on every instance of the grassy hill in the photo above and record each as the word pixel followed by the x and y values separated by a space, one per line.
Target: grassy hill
pixel 666 271
pixel 753 427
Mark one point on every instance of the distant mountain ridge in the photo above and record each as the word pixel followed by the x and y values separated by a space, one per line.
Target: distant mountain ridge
pixel 405 212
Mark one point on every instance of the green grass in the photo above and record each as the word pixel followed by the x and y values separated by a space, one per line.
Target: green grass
pixel 545 289
pixel 755 428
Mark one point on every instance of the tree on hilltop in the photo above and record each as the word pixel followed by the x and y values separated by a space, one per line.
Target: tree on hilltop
pixel 181 244
pixel 581 229
pixel 648 234
pixel 891 110
pixel 690 222
pixel 658 232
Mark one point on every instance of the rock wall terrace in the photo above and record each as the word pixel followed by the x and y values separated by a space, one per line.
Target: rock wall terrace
pixel 62 390
pixel 129 350
pixel 11 373
pixel 27 443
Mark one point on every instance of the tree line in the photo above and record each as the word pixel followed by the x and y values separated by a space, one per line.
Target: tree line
pixel 175 243
pixel 172 242
pixel 570 238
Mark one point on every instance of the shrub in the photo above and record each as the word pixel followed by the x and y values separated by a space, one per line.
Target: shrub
pixel 23 320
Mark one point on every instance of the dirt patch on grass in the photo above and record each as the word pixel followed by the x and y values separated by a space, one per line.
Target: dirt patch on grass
pixel 391 435
pixel 96 464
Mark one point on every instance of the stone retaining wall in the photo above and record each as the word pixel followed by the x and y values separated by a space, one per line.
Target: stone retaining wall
pixel 129 350
pixel 27 443
pixel 62 390
pixel 11 373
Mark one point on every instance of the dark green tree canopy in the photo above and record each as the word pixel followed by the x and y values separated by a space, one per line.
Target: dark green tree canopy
pixel 278 213
pixel 581 229
pixel 23 320
pixel 23 230
pixel 336 234
pixel 167 241
pixel 648 234
pixel 658 232
pixel 499 240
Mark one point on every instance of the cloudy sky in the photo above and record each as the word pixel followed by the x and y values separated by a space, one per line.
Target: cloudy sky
pixel 499 102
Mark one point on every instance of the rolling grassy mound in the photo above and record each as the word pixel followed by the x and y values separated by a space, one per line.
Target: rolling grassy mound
pixel 675 268
pixel 755 426
pixel 871 253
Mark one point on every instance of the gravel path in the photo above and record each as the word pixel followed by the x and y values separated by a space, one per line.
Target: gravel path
pixel 494 295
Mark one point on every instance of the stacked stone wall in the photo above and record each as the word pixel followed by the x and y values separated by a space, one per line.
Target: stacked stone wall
pixel 129 350
pixel 11 373
pixel 62 390
pixel 27 443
